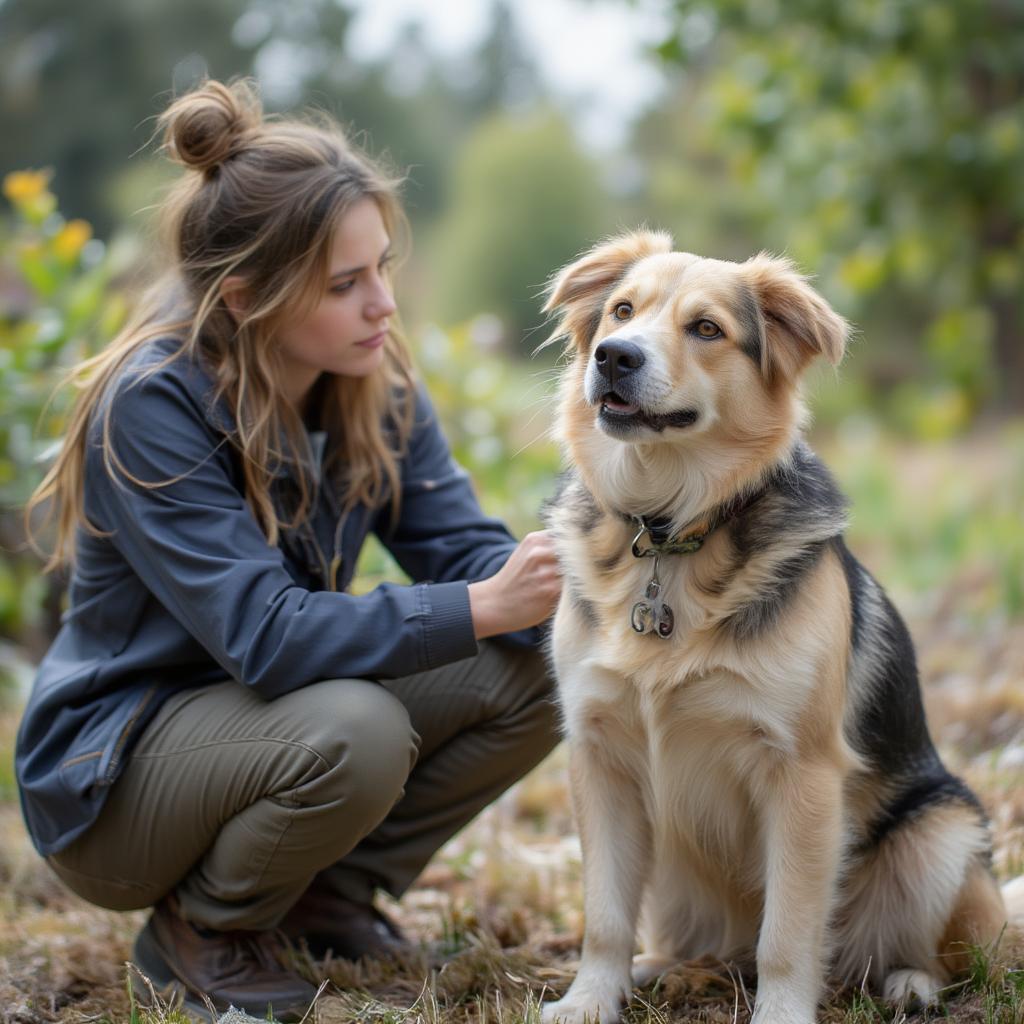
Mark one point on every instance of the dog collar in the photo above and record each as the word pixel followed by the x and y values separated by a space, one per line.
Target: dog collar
pixel 651 614
pixel 661 539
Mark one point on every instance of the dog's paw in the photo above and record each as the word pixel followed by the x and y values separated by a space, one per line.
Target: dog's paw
pixel 781 1009
pixel 775 1016
pixel 648 966
pixel 912 988
pixel 589 1005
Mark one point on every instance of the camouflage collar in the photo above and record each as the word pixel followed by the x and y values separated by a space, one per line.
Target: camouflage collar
pixel 663 539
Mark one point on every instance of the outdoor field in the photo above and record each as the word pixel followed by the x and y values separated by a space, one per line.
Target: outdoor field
pixel 499 911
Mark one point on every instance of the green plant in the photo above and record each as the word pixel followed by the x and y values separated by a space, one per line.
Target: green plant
pixel 58 306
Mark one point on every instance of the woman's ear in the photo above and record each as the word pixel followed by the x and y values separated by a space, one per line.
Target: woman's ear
pixel 796 323
pixel 578 290
pixel 234 293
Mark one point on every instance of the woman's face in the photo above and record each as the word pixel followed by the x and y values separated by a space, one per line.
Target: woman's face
pixel 345 333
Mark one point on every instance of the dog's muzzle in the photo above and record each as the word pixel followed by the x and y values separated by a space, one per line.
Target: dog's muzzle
pixel 615 382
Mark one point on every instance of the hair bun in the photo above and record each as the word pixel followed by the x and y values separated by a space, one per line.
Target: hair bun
pixel 203 128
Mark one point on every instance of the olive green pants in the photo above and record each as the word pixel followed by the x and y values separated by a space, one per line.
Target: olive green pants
pixel 234 804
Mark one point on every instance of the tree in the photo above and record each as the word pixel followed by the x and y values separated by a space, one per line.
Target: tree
pixel 525 200
pixel 883 143
pixel 82 83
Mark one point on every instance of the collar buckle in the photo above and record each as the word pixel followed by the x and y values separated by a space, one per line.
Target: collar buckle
pixel 677 545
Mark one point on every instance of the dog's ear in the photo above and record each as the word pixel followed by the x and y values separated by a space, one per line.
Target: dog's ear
pixel 796 323
pixel 578 290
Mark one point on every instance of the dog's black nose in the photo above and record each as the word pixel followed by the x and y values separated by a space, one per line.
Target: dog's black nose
pixel 617 359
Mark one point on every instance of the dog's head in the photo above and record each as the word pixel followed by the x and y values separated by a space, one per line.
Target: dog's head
pixel 672 349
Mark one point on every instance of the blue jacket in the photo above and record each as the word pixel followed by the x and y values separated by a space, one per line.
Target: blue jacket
pixel 186 591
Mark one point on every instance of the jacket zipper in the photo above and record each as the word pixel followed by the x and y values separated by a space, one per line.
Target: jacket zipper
pixel 115 758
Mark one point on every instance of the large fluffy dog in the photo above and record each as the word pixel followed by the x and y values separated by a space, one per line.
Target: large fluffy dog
pixel 750 763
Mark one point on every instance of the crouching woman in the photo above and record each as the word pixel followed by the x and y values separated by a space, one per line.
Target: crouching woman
pixel 220 731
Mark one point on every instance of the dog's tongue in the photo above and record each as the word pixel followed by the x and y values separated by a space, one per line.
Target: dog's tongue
pixel 616 404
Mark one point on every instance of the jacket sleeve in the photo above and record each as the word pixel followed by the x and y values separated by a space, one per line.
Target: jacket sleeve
pixel 442 534
pixel 197 547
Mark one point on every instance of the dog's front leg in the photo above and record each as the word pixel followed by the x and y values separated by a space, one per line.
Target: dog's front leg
pixel 616 839
pixel 803 845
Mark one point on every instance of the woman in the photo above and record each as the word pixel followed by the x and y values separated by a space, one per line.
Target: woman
pixel 220 731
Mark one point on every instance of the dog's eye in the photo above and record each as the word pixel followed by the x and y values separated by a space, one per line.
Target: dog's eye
pixel 707 329
pixel 622 311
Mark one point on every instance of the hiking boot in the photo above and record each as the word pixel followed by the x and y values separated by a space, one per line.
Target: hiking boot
pixel 331 925
pixel 232 968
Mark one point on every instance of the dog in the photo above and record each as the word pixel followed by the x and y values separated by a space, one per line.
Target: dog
pixel 751 772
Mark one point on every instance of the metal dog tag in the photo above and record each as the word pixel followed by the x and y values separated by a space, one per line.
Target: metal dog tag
pixel 665 621
pixel 652 614
pixel 642 617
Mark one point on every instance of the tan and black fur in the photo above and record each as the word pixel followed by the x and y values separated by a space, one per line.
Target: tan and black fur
pixel 761 783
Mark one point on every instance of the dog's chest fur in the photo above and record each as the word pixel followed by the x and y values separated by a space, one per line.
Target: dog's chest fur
pixel 702 718
pixel 735 602
pixel 693 749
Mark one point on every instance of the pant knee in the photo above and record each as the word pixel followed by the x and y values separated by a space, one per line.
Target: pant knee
pixel 380 752
pixel 367 745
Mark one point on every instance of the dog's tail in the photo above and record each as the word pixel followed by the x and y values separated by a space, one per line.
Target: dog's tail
pixel 1013 898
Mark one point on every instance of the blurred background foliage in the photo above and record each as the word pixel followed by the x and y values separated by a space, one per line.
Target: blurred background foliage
pixel 880 144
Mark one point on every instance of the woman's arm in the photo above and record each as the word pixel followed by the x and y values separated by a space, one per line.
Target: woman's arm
pixel 442 534
pixel 197 547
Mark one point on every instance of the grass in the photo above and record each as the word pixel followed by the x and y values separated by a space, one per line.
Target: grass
pixel 926 516
pixel 498 911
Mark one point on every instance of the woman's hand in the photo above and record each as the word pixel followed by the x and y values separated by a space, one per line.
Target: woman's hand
pixel 522 593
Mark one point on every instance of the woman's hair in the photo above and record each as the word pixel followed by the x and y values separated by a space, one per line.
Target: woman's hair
pixel 260 198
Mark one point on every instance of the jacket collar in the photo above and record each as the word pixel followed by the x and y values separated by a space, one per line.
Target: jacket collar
pixel 220 417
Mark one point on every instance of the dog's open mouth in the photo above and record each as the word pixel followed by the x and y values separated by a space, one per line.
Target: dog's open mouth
pixel 618 406
pixel 620 416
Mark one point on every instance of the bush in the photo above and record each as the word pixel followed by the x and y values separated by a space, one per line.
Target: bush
pixel 56 305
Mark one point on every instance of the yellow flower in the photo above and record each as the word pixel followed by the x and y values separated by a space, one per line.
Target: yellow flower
pixel 25 186
pixel 68 242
